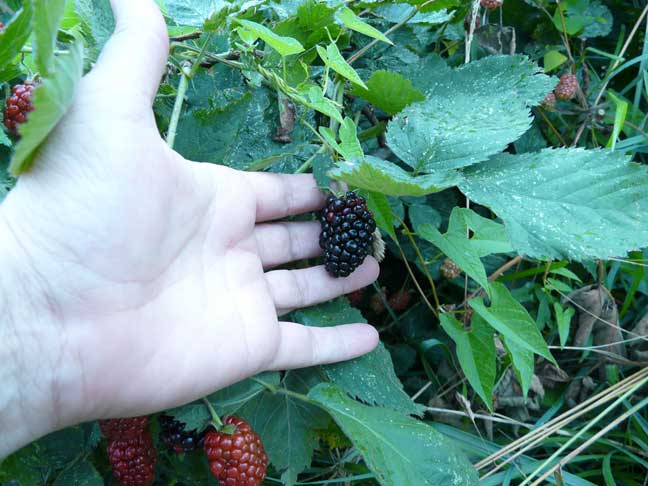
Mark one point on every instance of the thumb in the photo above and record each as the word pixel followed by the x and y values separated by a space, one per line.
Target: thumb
pixel 133 60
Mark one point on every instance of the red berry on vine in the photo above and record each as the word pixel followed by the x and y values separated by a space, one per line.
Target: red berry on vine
pixel 18 105
pixel 549 101
pixel 567 86
pixel 491 4
pixel 1 26
pixel 356 297
pixel 347 233
pixel 236 459
pixel 377 303
pixel 123 428
pixel 133 460
pixel 399 301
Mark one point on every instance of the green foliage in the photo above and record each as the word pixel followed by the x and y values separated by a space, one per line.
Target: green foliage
pixel 464 169
pixel 370 378
pixel 52 99
pixel 567 203
pixel 398 449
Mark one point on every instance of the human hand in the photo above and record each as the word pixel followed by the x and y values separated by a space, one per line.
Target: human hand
pixel 135 280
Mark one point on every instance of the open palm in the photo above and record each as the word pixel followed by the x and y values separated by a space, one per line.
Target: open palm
pixel 153 270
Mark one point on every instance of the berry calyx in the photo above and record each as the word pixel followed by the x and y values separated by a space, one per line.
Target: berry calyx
pixel 236 459
pixel 17 106
pixel 450 269
pixel 123 428
pixel 566 88
pixel 491 4
pixel 347 233
pixel 175 436
pixel 133 460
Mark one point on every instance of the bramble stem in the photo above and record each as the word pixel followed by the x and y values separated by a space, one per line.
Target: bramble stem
pixel 215 418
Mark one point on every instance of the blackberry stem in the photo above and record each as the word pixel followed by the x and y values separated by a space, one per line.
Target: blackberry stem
pixel 215 418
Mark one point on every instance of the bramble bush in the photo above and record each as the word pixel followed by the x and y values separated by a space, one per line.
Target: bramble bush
pixel 500 149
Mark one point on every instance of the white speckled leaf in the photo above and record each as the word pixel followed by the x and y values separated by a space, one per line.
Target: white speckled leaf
pixel 566 203
pixel 398 449
pixel 470 113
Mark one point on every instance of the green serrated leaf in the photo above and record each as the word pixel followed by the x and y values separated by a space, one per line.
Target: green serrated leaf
pixel 333 59
pixel 286 424
pixel 82 473
pixel 398 449
pixel 471 112
pixel 97 14
pixel 349 146
pixel 566 203
pixel 371 377
pixel 378 175
pixel 14 35
pixel 389 91
pixel 553 60
pixel 353 22
pixel 47 18
pixel 563 321
pixel 51 100
pixel 511 320
pixel 313 98
pixel 523 363
pixel 193 12
pixel 378 204
pixel 476 353
pixel 285 46
pixel 458 248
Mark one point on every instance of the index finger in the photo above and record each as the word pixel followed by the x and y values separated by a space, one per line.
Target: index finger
pixel 282 195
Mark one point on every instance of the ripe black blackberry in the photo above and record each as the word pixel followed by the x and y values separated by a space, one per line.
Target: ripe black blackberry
pixel 347 233
pixel 174 436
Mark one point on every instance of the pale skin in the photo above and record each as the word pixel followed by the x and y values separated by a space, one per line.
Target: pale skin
pixel 134 280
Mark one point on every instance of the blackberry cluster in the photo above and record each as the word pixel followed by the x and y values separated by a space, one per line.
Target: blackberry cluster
pixel 133 460
pixel 347 233
pixel 123 428
pixel 18 105
pixel 566 88
pixel 174 436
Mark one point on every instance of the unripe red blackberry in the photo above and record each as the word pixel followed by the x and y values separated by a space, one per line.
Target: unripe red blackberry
pixel 18 105
pixel 133 461
pixel 236 459
pixel 450 269
pixel 491 4
pixel 176 438
pixel 347 233
pixel 549 101
pixel 123 428
pixel 567 86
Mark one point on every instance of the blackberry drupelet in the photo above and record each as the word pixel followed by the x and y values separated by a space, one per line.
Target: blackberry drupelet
pixel 174 436
pixel 347 233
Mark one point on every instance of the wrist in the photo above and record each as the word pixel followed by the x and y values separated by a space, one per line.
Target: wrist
pixel 30 350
